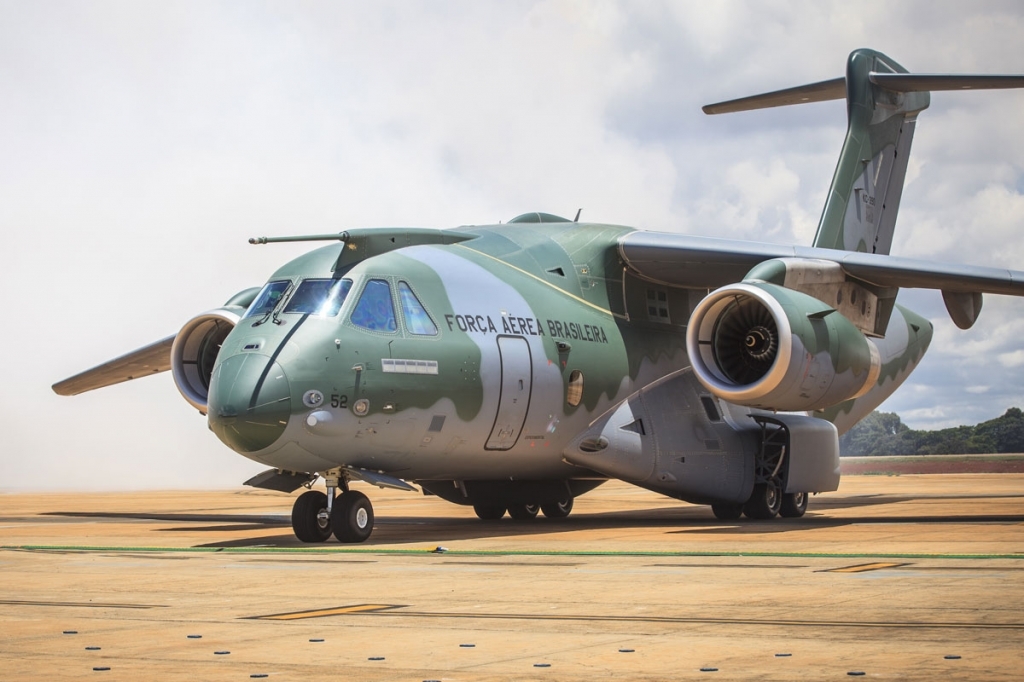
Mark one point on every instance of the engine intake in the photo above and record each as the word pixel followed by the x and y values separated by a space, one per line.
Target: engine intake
pixel 763 345
pixel 195 351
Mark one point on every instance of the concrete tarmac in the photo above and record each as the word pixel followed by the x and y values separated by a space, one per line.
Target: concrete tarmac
pixel 891 577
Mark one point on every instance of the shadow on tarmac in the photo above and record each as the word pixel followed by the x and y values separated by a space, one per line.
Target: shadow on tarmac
pixel 412 530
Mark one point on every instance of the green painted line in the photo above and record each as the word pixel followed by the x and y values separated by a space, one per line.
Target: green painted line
pixel 502 552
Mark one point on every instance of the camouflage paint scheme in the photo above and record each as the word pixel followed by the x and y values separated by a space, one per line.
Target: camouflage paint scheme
pixel 558 354
pixel 543 284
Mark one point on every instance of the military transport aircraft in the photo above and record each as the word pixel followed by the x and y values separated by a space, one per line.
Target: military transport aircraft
pixel 513 367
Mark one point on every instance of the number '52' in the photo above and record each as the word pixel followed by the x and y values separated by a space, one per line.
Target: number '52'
pixel 339 400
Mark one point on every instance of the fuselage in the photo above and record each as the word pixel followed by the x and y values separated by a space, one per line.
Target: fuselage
pixel 479 359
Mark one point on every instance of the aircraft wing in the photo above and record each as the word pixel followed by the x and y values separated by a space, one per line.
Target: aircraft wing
pixel 709 263
pixel 151 359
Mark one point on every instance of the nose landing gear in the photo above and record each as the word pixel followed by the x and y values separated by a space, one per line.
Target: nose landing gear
pixel 349 516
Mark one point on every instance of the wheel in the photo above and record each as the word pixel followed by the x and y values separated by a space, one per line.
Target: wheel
pixel 352 517
pixel 557 510
pixel 727 511
pixel 764 502
pixel 523 512
pixel 489 512
pixel 309 517
pixel 793 505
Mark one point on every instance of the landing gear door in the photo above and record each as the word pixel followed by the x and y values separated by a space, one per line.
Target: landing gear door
pixel 516 386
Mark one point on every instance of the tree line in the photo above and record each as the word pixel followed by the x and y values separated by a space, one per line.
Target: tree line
pixel 883 433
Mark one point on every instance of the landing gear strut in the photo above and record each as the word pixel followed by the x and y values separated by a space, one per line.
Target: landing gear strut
pixel 766 498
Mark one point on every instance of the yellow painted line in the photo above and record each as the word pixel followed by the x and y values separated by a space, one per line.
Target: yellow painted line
pixel 320 613
pixel 861 568
pixel 535 277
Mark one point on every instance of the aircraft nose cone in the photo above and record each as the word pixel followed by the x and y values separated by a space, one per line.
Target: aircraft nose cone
pixel 249 402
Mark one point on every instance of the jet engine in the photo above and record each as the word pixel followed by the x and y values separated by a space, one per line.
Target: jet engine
pixel 763 345
pixel 195 351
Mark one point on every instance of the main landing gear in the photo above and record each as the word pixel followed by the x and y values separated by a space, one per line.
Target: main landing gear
pixel 766 502
pixel 523 511
pixel 767 499
pixel 348 516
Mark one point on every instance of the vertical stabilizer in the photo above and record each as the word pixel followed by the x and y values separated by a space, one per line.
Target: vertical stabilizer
pixel 883 101
pixel 860 211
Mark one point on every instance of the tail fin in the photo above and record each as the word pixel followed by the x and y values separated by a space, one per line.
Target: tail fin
pixel 883 101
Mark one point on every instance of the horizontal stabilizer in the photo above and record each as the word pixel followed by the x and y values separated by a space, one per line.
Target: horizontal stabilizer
pixel 151 359
pixel 803 94
pixel 836 89
pixel 930 82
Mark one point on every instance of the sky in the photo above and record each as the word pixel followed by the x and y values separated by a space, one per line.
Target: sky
pixel 142 144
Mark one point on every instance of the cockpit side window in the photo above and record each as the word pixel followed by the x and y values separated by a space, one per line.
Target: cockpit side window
pixel 375 311
pixel 268 298
pixel 323 297
pixel 417 320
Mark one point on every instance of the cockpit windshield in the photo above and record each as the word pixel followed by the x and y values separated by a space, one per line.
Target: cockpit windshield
pixel 322 297
pixel 268 298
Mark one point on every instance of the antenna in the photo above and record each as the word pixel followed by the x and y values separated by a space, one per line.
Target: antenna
pixel 577 218
pixel 339 237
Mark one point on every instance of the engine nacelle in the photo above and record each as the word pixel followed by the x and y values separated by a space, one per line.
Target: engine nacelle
pixel 763 345
pixel 195 351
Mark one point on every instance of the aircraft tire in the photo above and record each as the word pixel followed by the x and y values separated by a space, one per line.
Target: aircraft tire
pixel 306 522
pixel 523 512
pixel 726 511
pixel 793 505
pixel 352 517
pixel 557 510
pixel 489 512
pixel 764 502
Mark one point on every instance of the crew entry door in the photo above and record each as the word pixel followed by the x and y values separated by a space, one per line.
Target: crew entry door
pixel 516 384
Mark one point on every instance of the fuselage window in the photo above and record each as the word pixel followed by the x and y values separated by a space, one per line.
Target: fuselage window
pixel 574 393
pixel 322 297
pixel 417 321
pixel 375 311
pixel 268 298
